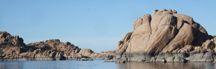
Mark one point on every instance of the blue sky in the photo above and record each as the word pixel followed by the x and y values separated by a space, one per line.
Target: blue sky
pixel 95 24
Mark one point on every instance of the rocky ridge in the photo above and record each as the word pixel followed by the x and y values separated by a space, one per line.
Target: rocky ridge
pixel 13 47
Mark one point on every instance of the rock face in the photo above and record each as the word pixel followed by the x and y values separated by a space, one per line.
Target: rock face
pixel 164 32
pixel 13 47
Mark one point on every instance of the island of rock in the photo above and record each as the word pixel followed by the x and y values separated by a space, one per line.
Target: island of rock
pixel 13 47
pixel 166 36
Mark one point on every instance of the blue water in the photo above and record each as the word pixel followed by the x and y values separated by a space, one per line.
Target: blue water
pixel 100 64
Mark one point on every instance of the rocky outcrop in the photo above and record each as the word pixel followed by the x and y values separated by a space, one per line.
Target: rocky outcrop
pixel 54 49
pixel 7 39
pixel 13 47
pixel 10 46
pixel 166 36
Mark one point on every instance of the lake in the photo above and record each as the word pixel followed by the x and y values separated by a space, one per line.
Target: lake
pixel 100 64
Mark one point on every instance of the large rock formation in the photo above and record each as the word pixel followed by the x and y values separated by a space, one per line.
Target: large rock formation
pixel 164 36
pixel 13 47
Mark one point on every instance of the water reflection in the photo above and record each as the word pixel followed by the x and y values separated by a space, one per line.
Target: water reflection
pixel 195 65
pixel 11 65
pixel 100 64
pixel 68 64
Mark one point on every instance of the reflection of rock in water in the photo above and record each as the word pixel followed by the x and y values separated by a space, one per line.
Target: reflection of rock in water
pixel 12 65
pixel 135 65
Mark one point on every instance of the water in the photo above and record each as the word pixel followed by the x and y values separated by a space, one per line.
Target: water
pixel 100 64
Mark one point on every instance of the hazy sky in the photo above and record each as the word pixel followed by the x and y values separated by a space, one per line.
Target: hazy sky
pixel 95 24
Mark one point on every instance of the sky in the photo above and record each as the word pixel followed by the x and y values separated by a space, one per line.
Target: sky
pixel 94 24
